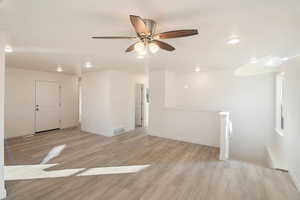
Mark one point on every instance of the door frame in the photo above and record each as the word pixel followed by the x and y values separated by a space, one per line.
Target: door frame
pixel 143 102
pixel 35 103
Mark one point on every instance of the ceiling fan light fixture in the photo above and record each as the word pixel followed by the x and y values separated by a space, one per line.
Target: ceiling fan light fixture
pixel 8 49
pixel 234 40
pixel 59 69
pixel 139 47
pixel 88 65
pixel 197 69
pixel 146 34
pixel 140 57
pixel 143 53
pixel 253 60
pixel 271 61
pixel 153 47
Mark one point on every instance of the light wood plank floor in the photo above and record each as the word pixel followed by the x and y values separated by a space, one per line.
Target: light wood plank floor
pixel 177 170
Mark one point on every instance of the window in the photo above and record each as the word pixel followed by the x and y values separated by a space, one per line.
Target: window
pixel 280 106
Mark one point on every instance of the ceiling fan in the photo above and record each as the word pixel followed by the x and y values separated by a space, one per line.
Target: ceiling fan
pixel 145 30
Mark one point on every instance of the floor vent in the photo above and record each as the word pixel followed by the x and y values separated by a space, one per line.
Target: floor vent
pixel 282 170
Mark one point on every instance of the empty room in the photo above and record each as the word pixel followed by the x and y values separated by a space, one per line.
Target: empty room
pixel 150 100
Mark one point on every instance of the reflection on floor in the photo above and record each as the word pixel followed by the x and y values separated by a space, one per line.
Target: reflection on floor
pixel 132 166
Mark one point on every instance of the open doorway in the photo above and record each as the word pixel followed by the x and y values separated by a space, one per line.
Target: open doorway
pixel 140 105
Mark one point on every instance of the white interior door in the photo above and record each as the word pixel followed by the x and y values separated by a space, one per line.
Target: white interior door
pixel 47 108
pixel 139 105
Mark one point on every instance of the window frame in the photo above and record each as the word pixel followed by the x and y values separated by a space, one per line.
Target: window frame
pixel 280 110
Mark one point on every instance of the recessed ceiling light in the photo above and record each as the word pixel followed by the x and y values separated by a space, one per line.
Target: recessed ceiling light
pixel 253 60
pixel 186 86
pixel 88 65
pixel 282 73
pixel 197 69
pixel 271 61
pixel 285 59
pixel 234 40
pixel 8 49
pixel 59 69
pixel 140 57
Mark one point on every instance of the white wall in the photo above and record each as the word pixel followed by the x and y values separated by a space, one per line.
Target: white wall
pixel 191 125
pixel 107 101
pixel 95 117
pixel 293 120
pixel 2 82
pixel 285 149
pixel 20 100
pixel 122 96
pixel 194 118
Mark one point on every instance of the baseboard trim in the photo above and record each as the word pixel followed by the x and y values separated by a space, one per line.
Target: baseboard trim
pixel 156 134
pixel 295 180
pixel 273 162
pixel 106 133
pixel 70 127
pixel 270 160
pixel 32 134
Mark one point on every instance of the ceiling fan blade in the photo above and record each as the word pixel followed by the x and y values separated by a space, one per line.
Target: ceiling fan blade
pixel 131 47
pixel 139 25
pixel 163 45
pixel 177 34
pixel 114 37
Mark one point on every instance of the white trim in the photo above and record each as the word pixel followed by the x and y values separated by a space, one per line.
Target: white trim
pixel 190 109
pixel 270 159
pixel 295 180
pixel 280 106
pixel 273 161
pixel 4 194
pixel 35 102
pixel 157 134
pixel 2 95
pixel 103 132
pixel 279 132
pixel 225 133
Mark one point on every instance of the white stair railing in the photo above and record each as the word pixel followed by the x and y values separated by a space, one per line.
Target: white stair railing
pixel 225 134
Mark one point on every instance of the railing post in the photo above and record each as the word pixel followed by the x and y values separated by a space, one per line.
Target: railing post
pixel 224 135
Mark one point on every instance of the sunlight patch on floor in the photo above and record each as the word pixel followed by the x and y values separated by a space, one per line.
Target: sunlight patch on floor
pixel 25 172
pixel 54 152
pixel 113 170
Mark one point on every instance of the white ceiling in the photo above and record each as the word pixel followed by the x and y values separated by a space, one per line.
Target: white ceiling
pixel 51 32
